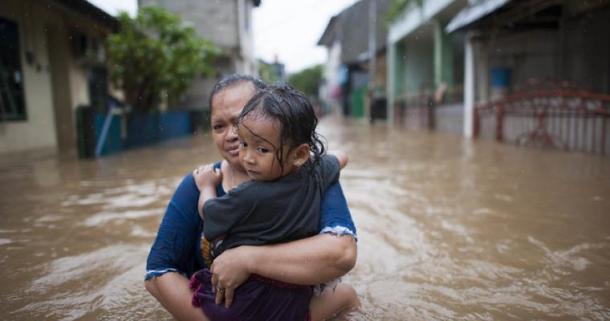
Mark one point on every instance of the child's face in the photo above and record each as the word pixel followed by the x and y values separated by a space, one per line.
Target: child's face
pixel 259 141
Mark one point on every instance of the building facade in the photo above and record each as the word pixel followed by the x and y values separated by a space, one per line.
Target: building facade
pixel 227 24
pixel 537 73
pixel 354 72
pixel 425 67
pixel 51 61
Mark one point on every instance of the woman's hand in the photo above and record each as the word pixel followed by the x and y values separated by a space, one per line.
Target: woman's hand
pixel 316 259
pixel 229 271
pixel 207 176
pixel 341 157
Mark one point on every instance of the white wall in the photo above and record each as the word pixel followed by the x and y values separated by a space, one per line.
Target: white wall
pixel 331 74
pixel 38 130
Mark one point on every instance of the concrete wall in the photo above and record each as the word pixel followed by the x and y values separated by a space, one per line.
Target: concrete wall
pixel 38 130
pixel 427 58
pixel 329 91
pixel 419 64
pixel 44 126
pixel 578 52
pixel 586 50
pixel 528 55
pixel 215 20
pixel 449 118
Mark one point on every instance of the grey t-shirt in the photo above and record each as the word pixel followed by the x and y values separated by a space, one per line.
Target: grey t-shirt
pixel 256 213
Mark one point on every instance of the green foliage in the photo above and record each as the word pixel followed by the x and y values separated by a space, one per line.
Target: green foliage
pixel 307 80
pixel 155 57
pixel 267 72
pixel 398 6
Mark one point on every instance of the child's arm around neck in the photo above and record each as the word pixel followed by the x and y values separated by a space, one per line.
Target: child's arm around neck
pixel 206 178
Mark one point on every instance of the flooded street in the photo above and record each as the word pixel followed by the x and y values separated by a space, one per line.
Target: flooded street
pixel 448 229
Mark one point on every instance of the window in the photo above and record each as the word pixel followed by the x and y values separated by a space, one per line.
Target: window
pixel 12 102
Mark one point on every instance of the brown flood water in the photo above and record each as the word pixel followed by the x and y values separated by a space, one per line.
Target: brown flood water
pixel 449 229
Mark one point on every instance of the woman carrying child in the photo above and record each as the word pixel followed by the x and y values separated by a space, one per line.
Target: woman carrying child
pixel 175 254
pixel 284 158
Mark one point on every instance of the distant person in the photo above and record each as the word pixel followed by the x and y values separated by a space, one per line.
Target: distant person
pixel 176 252
pixel 289 171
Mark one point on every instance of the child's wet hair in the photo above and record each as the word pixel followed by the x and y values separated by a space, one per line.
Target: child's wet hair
pixel 295 115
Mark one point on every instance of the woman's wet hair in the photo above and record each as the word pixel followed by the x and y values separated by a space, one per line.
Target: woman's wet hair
pixel 295 115
pixel 233 80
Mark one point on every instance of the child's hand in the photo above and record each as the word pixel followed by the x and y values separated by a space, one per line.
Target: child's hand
pixel 207 176
pixel 341 156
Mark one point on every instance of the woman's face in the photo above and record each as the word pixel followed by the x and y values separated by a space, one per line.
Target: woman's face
pixel 226 106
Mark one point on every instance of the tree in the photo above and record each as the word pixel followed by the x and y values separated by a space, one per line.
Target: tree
pixel 397 7
pixel 307 80
pixel 270 72
pixel 154 57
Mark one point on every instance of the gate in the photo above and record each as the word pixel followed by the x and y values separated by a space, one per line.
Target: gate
pixel 566 119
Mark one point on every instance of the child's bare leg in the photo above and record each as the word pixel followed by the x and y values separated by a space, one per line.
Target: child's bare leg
pixel 334 303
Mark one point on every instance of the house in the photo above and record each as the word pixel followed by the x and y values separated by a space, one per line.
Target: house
pixel 537 72
pixel 352 52
pixel 51 61
pixel 425 67
pixel 227 24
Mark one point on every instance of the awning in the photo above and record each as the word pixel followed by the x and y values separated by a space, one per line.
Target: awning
pixel 473 13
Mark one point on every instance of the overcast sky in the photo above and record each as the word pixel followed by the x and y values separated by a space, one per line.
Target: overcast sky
pixel 288 29
pixel 114 6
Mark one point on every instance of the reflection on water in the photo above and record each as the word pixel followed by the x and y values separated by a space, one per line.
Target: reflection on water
pixel 449 229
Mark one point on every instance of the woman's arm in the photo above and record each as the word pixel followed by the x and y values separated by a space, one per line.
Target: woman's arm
pixel 173 292
pixel 173 253
pixel 313 260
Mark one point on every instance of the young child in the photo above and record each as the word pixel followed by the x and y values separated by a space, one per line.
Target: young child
pixel 283 155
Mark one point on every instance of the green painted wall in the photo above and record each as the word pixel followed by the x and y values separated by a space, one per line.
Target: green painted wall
pixel 419 65
pixel 399 68
pixel 443 56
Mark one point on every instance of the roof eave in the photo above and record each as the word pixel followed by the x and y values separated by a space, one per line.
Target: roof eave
pixel 87 9
pixel 473 13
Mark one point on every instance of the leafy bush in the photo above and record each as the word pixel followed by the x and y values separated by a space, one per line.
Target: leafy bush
pixel 307 80
pixel 155 57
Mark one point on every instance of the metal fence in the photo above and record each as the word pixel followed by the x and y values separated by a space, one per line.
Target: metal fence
pixel 566 119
